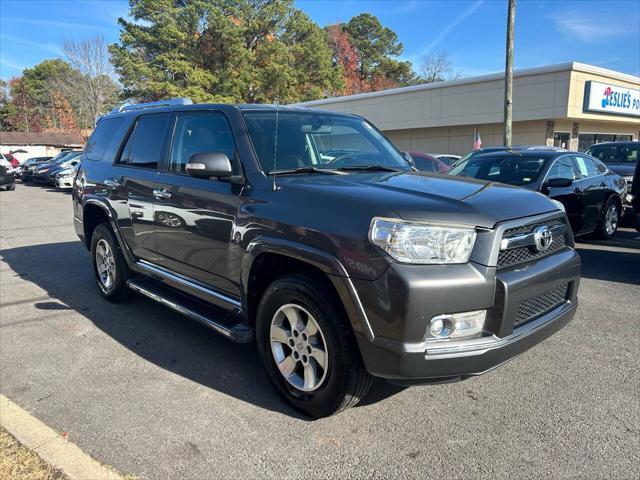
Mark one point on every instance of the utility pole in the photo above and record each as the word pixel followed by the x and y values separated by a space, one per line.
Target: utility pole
pixel 508 73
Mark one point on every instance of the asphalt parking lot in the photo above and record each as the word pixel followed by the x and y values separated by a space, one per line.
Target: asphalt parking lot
pixel 157 396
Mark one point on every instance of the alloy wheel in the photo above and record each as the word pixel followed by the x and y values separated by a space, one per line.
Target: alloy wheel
pixel 105 264
pixel 299 347
pixel 611 220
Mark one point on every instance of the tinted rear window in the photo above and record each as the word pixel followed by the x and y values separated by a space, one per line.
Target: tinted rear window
pixel 144 146
pixel 101 138
pixel 622 153
pixel 514 170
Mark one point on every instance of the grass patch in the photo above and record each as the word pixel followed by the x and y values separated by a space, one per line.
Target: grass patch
pixel 19 463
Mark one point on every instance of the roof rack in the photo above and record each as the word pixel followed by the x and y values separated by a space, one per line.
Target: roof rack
pixel 128 106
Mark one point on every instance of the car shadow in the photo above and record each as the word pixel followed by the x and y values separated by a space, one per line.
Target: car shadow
pixel 615 260
pixel 152 331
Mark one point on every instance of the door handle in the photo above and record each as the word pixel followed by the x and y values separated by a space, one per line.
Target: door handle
pixel 577 190
pixel 111 183
pixel 161 193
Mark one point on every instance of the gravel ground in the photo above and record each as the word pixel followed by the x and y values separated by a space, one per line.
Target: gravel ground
pixel 157 396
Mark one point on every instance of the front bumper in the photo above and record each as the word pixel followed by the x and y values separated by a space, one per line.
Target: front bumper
pixel 64 183
pixel 42 178
pixel 6 179
pixel 400 304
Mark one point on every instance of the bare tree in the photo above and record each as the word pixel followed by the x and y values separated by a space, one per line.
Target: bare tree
pixel 91 58
pixel 436 68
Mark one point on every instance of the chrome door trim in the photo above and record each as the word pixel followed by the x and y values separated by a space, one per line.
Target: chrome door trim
pixel 186 281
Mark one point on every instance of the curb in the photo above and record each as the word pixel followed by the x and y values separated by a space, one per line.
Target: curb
pixel 50 445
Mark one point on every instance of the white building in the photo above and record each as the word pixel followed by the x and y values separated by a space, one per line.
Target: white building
pixel 38 144
pixel 572 105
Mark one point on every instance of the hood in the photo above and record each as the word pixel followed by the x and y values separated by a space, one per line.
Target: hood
pixel 41 166
pixel 427 197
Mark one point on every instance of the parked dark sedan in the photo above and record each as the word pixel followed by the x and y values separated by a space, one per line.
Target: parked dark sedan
pixel 591 193
pixel 45 174
pixel 22 170
pixel 29 171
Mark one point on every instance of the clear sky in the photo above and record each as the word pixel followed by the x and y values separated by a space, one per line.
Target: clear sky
pixel 600 32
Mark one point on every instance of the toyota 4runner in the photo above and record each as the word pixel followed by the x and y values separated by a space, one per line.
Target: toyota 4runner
pixel 310 233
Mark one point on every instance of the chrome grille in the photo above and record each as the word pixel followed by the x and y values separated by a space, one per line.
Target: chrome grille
pixel 537 306
pixel 517 255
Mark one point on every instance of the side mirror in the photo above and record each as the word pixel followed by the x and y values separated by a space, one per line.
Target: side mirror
pixel 559 182
pixel 209 164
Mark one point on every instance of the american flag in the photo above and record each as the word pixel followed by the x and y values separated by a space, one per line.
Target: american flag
pixel 477 142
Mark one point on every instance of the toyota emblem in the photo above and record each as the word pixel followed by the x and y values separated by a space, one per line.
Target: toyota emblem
pixel 542 238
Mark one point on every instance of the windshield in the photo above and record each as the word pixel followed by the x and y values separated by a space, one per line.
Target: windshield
pixel 319 141
pixel 514 170
pixel 612 153
pixel 67 157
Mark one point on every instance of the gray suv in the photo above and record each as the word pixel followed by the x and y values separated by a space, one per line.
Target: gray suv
pixel 309 233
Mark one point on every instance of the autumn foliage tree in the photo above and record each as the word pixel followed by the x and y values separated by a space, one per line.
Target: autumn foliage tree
pixel 61 118
pixel 345 56
pixel 368 53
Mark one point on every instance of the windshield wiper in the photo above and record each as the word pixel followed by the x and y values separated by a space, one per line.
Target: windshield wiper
pixel 306 170
pixel 380 168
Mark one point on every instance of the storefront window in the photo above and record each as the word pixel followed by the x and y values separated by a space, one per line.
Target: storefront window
pixel 561 139
pixel 585 140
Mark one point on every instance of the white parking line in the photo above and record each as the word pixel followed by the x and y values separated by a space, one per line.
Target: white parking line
pixel 50 445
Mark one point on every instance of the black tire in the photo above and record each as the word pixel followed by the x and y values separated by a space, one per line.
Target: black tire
pixel 346 380
pixel 604 231
pixel 11 187
pixel 116 290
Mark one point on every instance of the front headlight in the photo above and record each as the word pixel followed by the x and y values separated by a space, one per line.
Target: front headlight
pixel 424 243
pixel 44 170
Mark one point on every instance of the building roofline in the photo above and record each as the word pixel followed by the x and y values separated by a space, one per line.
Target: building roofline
pixel 561 67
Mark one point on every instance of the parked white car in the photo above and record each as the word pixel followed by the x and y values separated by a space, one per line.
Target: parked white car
pixel 65 178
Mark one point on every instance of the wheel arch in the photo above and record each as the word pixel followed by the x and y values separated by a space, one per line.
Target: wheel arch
pixel 269 259
pixel 95 212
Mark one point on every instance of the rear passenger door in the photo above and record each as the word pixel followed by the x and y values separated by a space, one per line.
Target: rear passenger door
pixel 593 190
pixel 195 217
pixel 135 173
pixel 570 197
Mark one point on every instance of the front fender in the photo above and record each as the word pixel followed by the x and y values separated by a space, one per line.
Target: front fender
pixel 325 262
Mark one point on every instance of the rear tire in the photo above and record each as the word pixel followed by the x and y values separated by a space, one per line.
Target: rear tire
pixel 321 372
pixel 610 220
pixel 109 265
pixel 11 187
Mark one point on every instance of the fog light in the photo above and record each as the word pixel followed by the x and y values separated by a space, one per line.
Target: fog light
pixel 438 326
pixel 457 325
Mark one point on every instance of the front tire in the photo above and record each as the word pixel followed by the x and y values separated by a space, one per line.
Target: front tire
pixel 11 187
pixel 610 220
pixel 109 265
pixel 308 348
